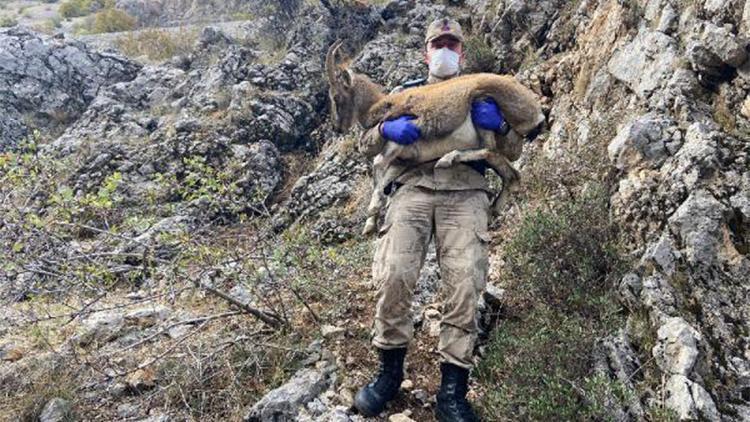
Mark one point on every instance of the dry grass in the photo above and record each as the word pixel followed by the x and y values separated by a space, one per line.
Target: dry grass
pixel 221 365
pixel 157 44
pixel 724 115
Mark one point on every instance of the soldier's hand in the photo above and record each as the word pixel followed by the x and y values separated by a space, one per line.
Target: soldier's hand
pixel 400 130
pixel 487 115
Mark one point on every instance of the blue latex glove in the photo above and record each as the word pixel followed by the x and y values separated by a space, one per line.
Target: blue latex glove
pixel 487 115
pixel 401 130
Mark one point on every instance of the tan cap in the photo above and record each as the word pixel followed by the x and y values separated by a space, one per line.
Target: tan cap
pixel 443 26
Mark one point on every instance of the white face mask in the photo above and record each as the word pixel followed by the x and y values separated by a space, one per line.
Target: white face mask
pixel 444 62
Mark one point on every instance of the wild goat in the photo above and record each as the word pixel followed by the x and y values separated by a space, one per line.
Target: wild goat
pixel 443 114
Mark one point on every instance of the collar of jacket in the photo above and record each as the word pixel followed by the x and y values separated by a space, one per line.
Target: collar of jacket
pixel 431 79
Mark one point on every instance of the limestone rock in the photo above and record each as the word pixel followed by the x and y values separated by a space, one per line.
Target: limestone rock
pixel 662 254
pixel 643 139
pixel 697 221
pixel 645 63
pixel 346 396
pixel 668 20
pixel 282 403
pixel 56 410
pixel 400 417
pixel 493 295
pixel 716 6
pixel 330 331
pixel 629 290
pixel 211 35
pixel 658 295
pixel 724 45
pixel 148 316
pixel 48 82
pixel 331 183
pixel 422 397
pixel 677 349
pixel 615 358
pixel 101 327
pixel 690 400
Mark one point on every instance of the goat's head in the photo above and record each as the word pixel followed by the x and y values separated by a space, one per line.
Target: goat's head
pixel 340 91
pixel 351 94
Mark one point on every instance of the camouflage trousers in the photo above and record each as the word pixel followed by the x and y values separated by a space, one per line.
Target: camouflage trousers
pixel 458 222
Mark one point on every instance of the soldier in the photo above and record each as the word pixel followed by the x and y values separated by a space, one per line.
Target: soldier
pixel 453 206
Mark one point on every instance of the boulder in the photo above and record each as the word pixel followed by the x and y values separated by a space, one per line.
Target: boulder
pixel 283 403
pixel 148 316
pixel 662 254
pixel 689 400
pixel 56 410
pixel 677 349
pixel 724 44
pixel 49 82
pixel 643 140
pixel 697 222
pixel 646 63
pixel 100 328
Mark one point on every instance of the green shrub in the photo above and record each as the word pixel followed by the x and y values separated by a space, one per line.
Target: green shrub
pixel 112 20
pixel 560 266
pixel 49 26
pixel 7 21
pixel 157 44
pixel 479 55
pixel 565 255
pixel 75 8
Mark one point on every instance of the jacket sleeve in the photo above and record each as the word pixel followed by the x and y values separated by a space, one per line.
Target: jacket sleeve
pixel 371 143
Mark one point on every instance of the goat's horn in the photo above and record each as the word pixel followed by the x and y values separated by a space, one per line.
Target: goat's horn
pixel 331 62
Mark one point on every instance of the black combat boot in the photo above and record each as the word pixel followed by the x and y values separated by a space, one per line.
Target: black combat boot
pixel 452 405
pixel 371 399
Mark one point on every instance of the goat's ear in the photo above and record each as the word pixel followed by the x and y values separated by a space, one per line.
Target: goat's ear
pixel 347 78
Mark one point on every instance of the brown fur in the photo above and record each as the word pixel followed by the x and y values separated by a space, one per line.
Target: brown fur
pixel 441 107
pixel 443 114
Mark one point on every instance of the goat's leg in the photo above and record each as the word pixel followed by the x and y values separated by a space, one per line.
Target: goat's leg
pixel 451 158
pixel 391 151
pixel 487 141
pixel 380 179
pixel 499 163
pixel 461 156
pixel 510 176
pixel 377 200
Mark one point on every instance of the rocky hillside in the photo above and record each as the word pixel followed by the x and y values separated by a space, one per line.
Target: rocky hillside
pixel 179 230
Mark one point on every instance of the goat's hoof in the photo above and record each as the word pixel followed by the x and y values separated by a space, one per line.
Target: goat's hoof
pixel 369 228
pixel 446 161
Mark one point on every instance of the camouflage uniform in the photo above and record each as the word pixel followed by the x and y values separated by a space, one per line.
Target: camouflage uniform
pixel 453 205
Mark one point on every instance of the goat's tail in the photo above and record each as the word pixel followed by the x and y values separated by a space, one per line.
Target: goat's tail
pixel 519 104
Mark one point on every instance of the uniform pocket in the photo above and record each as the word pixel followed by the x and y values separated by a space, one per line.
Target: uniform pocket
pixel 482 261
